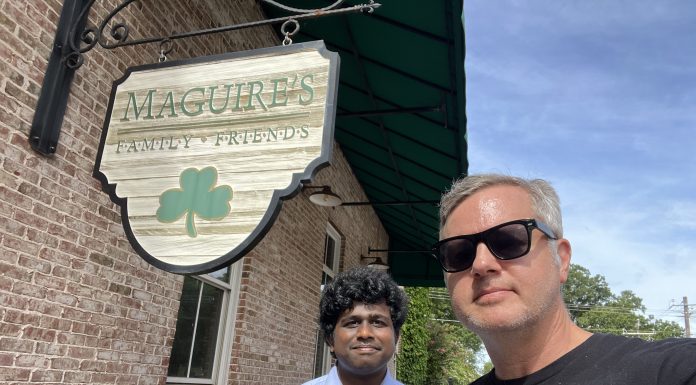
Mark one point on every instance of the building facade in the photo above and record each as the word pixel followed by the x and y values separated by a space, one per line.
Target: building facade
pixel 77 304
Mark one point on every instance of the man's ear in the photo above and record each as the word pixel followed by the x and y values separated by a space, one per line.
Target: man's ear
pixel 329 341
pixel 564 252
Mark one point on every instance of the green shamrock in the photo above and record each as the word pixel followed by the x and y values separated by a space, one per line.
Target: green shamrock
pixel 196 196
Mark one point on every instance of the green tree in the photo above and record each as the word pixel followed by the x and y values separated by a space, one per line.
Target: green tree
pixel 412 360
pixel 449 351
pixel 452 348
pixel 442 311
pixel 583 290
pixel 595 308
pixel 450 359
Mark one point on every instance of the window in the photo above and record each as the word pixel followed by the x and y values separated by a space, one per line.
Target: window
pixel 204 328
pixel 332 255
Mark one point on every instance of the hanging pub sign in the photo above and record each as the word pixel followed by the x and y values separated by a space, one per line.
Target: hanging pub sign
pixel 200 153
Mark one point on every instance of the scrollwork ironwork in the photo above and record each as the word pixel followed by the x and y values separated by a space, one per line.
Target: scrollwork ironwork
pixel 90 36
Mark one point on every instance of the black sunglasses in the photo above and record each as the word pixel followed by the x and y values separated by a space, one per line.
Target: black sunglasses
pixel 507 240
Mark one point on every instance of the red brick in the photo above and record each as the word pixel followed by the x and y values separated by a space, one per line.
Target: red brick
pixel 32 361
pixel 39 334
pixel 70 339
pixel 91 243
pixel 94 366
pixel 48 213
pixel 7 22
pixel 79 377
pixel 30 290
pixel 50 349
pixel 59 324
pixel 7 149
pixel 15 272
pixel 90 305
pixel 55 189
pixel 41 238
pixel 101 378
pixel 6 359
pixel 76 315
pixel 34 264
pixel 67 208
pixel 94 281
pixel 86 328
pixel 78 225
pixel 66 272
pixel 15 345
pixel 80 290
pixel 13 227
pixel 97 220
pixel 44 307
pixel 14 374
pixel 22 318
pixel 99 319
pixel 19 200
pixel 46 376
pixel 73 249
pixel 101 259
pixel 54 256
pixel 49 282
pixel 10 329
pixel 20 244
pixel 61 231
pixel 18 169
pixel 59 297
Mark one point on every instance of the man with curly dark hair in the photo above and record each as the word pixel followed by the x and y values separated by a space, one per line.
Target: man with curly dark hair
pixel 361 313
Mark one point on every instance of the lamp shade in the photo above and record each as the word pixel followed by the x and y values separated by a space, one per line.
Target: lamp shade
pixel 325 197
pixel 378 264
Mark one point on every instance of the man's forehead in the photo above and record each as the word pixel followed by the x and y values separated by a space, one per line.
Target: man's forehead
pixel 367 308
pixel 489 206
pixel 501 197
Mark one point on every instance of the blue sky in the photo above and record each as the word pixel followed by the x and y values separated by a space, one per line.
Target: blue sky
pixel 599 98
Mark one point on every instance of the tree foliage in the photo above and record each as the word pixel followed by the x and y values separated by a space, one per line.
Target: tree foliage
pixel 594 307
pixel 449 353
pixel 583 290
pixel 450 359
pixel 412 360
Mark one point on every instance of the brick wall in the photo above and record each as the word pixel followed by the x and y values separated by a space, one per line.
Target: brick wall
pixel 77 305
pixel 279 303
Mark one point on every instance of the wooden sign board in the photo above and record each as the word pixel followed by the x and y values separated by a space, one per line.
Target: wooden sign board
pixel 200 153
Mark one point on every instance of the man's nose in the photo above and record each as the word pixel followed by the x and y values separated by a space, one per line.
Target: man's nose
pixel 364 330
pixel 484 262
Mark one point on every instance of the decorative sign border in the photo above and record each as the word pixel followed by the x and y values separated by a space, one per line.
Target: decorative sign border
pixel 190 174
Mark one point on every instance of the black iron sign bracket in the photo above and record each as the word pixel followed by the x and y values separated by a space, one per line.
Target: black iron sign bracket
pixel 73 39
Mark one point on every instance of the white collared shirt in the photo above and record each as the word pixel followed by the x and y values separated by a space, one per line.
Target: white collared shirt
pixel 332 379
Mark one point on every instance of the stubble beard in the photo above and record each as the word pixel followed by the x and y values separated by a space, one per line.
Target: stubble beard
pixel 480 322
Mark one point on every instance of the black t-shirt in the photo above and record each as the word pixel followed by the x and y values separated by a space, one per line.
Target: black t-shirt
pixel 616 360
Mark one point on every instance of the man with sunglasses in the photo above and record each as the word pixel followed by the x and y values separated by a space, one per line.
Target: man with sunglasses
pixel 504 259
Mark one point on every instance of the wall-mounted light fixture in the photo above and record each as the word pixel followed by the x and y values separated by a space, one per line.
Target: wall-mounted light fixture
pixel 377 264
pixel 324 197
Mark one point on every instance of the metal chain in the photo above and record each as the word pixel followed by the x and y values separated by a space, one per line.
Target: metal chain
pixel 166 46
pixel 283 29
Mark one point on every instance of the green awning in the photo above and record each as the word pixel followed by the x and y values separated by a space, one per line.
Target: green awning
pixel 401 119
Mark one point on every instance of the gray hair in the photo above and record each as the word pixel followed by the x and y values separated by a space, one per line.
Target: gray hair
pixel 545 202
